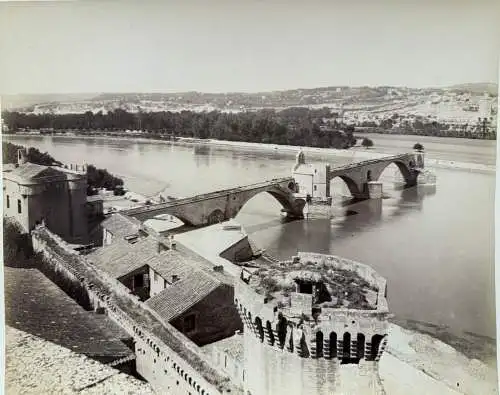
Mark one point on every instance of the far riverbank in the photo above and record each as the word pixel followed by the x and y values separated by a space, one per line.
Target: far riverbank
pixel 356 153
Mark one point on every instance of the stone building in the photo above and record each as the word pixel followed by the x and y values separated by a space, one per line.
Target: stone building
pixel 190 295
pixel 54 195
pixel 312 180
pixel 307 322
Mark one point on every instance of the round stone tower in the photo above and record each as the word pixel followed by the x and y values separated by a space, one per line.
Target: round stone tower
pixel 314 325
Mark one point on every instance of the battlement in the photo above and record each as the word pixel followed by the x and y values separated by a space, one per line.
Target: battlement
pixel 314 305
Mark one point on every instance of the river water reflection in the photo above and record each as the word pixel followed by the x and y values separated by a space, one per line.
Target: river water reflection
pixel 434 247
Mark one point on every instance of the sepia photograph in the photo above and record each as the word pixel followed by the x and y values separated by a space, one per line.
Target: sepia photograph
pixel 249 197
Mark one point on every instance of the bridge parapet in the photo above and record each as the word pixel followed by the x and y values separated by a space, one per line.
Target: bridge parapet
pixel 218 206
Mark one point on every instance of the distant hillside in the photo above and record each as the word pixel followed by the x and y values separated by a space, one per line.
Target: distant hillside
pixel 23 100
pixel 333 96
pixel 477 88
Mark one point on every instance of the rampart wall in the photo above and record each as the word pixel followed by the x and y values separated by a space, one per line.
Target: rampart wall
pixel 165 358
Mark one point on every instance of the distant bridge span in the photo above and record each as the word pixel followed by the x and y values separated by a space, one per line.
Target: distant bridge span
pixel 357 175
pixel 213 207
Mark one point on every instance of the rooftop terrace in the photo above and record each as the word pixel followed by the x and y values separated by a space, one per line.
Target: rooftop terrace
pixel 332 282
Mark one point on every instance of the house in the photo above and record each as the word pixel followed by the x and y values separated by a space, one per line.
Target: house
pixel 126 260
pixel 118 226
pixel 190 294
pixel 200 305
pixel 54 195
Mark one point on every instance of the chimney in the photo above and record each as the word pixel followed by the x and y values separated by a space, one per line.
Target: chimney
pixel 175 278
pixel 22 156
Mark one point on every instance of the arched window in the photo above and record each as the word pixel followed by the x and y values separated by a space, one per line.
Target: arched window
pixel 270 332
pixel 376 339
pixel 360 346
pixel 319 344
pixel 281 327
pixel 346 347
pixel 260 329
pixel 333 345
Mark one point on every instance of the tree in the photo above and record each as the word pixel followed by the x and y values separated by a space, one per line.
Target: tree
pixel 418 147
pixel 367 142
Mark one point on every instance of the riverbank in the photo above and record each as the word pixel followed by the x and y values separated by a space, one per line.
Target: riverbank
pixel 354 154
pixel 416 363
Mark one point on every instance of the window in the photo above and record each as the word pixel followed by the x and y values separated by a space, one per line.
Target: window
pixel 139 280
pixel 315 187
pixel 165 283
pixel 19 206
pixel 189 323
pixel 156 276
pixel 8 201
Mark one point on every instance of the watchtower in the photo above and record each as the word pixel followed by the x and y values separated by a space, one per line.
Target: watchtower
pixel 314 325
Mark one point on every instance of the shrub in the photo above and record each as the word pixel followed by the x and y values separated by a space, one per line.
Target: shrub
pixel 367 142
pixel 418 147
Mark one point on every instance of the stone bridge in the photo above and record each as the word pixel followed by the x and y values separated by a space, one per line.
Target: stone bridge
pixel 214 207
pixel 358 175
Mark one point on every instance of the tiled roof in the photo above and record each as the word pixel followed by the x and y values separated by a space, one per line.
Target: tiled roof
pixel 121 257
pixel 32 171
pixel 120 225
pixel 8 167
pixel 36 305
pixel 170 263
pixel 182 295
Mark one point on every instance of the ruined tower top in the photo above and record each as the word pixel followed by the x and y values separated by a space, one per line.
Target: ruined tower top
pixel 300 159
pixel 22 156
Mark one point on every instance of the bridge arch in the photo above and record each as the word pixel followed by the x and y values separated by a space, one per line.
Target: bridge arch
pixel 405 169
pixel 349 182
pixel 228 205
pixel 285 197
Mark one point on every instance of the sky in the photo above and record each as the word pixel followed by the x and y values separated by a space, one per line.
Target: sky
pixel 246 46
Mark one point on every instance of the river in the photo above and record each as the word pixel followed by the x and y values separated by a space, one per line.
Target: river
pixel 436 248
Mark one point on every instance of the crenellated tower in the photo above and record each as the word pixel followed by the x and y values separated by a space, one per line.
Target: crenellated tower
pixel 314 325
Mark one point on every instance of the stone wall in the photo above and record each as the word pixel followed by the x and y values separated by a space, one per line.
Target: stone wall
pixel 165 358
pixel 216 317
pixel 230 365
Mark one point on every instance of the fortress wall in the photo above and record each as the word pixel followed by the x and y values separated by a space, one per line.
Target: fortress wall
pixel 232 366
pixel 279 372
pixel 160 364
